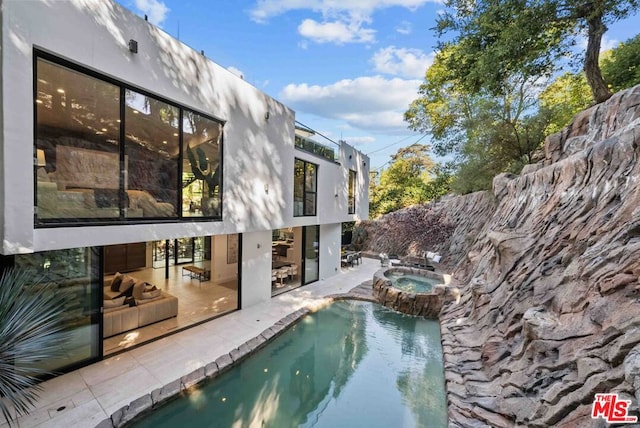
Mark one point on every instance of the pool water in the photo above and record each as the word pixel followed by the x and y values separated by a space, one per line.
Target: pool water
pixel 352 364
pixel 412 283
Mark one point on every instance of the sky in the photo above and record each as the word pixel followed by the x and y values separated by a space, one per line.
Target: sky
pixel 348 68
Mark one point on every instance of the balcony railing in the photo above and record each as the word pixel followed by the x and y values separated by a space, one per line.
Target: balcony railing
pixel 315 148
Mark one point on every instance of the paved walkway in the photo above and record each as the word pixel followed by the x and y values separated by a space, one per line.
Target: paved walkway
pixel 86 397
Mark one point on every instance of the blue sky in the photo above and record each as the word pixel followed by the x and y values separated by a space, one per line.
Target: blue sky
pixel 349 68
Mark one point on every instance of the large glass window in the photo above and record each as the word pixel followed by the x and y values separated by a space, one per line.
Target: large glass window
pixel 77 144
pixel 201 167
pixel 105 152
pixel 152 148
pixel 352 192
pixel 75 273
pixel 305 182
pixel 311 254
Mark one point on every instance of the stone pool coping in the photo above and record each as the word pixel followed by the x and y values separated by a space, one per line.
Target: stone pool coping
pixel 223 363
pixel 426 304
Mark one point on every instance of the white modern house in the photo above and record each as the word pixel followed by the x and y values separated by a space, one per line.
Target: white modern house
pixel 127 152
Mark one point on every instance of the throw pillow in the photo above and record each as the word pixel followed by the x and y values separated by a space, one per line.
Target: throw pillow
pixel 116 281
pixel 138 289
pixel 127 282
pixel 149 287
pixel 114 303
pixel 151 294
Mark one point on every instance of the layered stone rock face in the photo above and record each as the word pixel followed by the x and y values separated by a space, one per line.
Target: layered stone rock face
pixel 548 266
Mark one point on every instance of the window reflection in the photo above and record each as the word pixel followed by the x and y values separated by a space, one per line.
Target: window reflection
pixel 352 192
pixel 84 173
pixel 73 272
pixel 201 168
pixel 77 144
pixel 304 188
pixel 298 188
pixel 151 153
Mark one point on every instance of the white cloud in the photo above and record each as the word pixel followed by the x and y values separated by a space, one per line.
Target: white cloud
pixel 235 71
pixel 605 45
pixel 265 9
pixel 411 63
pixel 405 27
pixel 336 32
pixel 359 140
pixel 342 20
pixel 370 103
pixel 608 44
pixel 155 10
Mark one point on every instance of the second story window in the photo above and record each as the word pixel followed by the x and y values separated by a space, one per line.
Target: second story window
pixel 305 182
pixel 108 153
pixel 352 192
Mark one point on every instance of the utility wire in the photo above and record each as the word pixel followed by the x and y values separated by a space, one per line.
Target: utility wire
pixel 397 142
pixel 392 144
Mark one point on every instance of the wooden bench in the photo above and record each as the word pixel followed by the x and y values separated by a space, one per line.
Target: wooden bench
pixel 196 272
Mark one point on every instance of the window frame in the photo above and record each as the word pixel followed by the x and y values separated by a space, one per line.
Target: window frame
pixel 351 192
pixel 305 192
pixel 122 219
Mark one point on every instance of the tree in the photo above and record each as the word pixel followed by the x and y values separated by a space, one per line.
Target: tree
pixel 622 67
pixel 499 39
pixel 404 182
pixel 563 98
pixel 488 133
pixel 31 331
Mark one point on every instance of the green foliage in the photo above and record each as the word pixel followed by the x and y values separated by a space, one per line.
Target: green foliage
pixel 621 68
pixel 404 182
pixel 442 106
pixel 30 332
pixel 488 133
pixel 498 40
pixel 563 98
pixel 441 183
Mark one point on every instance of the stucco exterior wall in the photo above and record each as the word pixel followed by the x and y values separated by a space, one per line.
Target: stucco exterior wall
pixel 259 153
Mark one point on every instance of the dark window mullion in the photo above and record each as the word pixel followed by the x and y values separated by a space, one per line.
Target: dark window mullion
pixel 180 164
pixel 122 192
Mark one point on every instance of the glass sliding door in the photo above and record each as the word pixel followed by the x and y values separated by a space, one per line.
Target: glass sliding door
pixel 76 273
pixel 185 249
pixel 311 254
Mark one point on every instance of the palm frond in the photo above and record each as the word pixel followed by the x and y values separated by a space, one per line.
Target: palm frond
pixel 31 331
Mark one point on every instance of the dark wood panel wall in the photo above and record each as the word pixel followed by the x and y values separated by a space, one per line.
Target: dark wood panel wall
pixel 125 257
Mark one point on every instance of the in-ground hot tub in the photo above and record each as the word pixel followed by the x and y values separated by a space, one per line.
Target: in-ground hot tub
pixel 412 283
pixel 413 291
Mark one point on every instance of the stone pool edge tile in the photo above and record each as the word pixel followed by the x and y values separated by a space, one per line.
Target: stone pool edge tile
pixel 147 402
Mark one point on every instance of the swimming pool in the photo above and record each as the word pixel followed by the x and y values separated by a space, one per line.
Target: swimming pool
pixel 350 364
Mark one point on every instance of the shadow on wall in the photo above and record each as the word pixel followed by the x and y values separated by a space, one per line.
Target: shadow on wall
pixel 253 169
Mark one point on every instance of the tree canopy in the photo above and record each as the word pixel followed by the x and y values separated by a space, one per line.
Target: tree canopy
pixel 499 39
pixel 411 178
pixel 486 133
pixel 622 67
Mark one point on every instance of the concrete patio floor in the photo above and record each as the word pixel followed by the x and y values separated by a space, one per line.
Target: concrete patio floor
pixel 88 396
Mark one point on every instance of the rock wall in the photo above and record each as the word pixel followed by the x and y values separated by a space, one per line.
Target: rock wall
pixel 548 266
